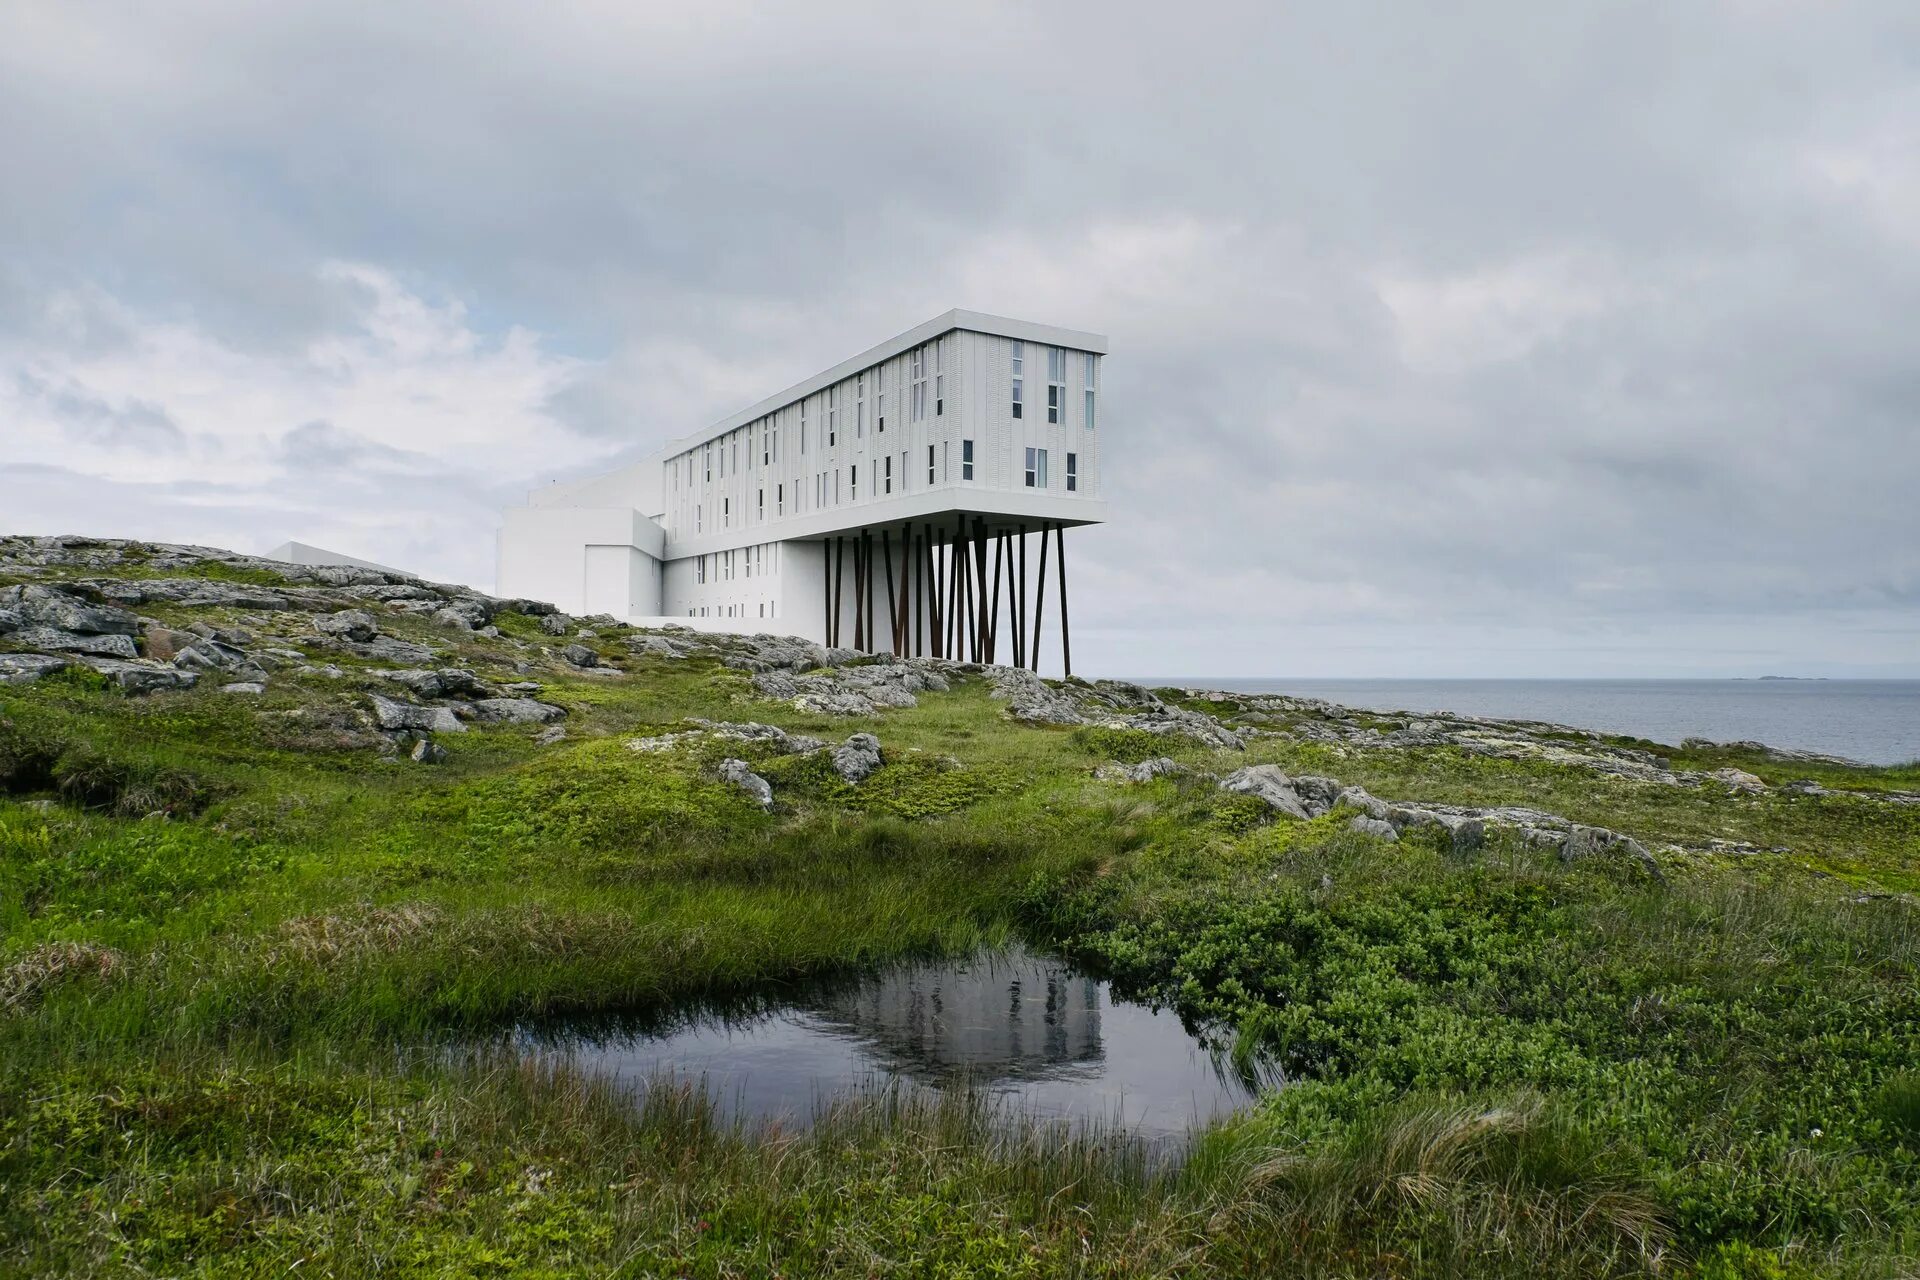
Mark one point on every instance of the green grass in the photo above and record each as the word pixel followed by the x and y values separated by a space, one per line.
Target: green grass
pixel 245 963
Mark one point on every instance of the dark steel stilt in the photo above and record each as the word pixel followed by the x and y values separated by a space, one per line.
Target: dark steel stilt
pixel 893 606
pixel 1020 612
pixel 839 575
pixel 1039 599
pixel 1066 642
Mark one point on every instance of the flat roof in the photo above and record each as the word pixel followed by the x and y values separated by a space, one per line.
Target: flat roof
pixel 973 321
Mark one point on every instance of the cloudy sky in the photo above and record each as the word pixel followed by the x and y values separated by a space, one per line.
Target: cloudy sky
pixel 1476 339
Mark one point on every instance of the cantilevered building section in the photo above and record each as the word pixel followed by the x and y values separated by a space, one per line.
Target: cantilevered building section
pixel 913 500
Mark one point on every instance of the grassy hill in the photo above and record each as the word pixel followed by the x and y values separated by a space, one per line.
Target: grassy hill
pixel 283 848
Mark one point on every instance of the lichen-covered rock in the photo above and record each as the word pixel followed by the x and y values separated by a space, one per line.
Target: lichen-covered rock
pixel 348 624
pixel 516 711
pixel 1145 771
pixel 1268 782
pixel 427 751
pixel 54 640
pixel 857 757
pixel 751 731
pixel 142 676
pixel 580 656
pixel 1596 842
pixel 556 624
pixel 391 714
pixel 244 687
pixel 445 682
pixel 25 668
pixel 738 773
pixel 1368 825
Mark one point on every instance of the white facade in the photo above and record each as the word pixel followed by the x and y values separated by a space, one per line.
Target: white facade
pixel 965 426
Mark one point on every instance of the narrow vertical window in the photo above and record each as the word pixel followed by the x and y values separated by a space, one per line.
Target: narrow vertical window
pixel 1019 374
pixel 760 506
pixel 930 479
pixel 780 499
pixel 1089 411
pixel 803 426
pixel 860 406
pixel 1031 473
pixel 880 400
pixel 1073 472
pixel 833 415
pixel 889 461
pixel 939 384
pixel 709 464
pixel 696 517
pixel 1043 468
pixel 966 459
pixel 1056 384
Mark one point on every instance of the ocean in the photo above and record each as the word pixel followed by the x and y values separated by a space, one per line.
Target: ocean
pixel 1875 721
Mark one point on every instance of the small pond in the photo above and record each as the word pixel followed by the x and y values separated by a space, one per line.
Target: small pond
pixel 1028 1030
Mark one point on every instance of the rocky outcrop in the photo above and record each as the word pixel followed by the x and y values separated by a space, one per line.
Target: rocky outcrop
pixel 1269 783
pixel 394 715
pixel 1145 771
pixel 516 711
pixel 856 759
pixel 738 773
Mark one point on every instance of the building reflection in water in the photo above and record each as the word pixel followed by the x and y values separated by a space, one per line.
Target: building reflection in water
pixel 999 1016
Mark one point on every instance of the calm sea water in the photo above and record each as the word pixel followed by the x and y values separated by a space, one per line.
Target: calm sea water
pixel 1877 721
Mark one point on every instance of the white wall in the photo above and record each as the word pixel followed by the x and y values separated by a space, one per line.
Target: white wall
pixel 585 560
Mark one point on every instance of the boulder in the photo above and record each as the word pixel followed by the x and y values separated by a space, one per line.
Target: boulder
pixel 1145 771
pixel 751 731
pixel 141 676
pixel 452 618
pixel 164 643
pixel 550 735
pixel 1357 798
pixel 427 751
pixel 556 624
pixel 1368 825
pixel 443 683
pixel 516 711
pixel 356 625
pixel 857 758
pixel 1268 782
pixel 1739 780
pixel 1596 842
pixel 52 639
pixel 580 656
pixel 63 611
pixel 391 714
pixel 1317 795
pixel 25 668
pixel 244 686
pixel 740 774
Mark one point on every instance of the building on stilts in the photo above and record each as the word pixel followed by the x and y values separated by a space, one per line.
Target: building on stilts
pixel 912 500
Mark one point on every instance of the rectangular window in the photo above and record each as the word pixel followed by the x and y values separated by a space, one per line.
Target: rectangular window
pixel 833 415
pixel 1036 468
pixel 699 570
pixel 1043 468
pixel 803 427
pixel 966 459
pixel 930 479
pixel 880 399
pixel 1089 394
pixel 780 499
pixel 760 506
pixel 696 517
pixel 939 394
pixel 860 406
pixel 726 513
pixel 889 473
pixel 709 464
pixel 1056 385
pixel 1019 374
pixel 1032 474
pixel 1090 375
pixel 766 442
pixel 853 480
pixel 1073 472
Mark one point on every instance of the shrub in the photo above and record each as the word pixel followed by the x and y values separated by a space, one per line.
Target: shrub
pixel 1129 746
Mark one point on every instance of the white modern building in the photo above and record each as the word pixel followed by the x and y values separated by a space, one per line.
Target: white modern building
pixel 906 500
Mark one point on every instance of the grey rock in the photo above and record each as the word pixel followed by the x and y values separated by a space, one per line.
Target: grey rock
pixel 142 676
pixel 1269 783
pixel 1145 771
pixel 1368 825
pixel 739 773
pixel 1469 834
pixel 556 624
pixel 442 683
pixel 451 618
pixel 391 714
pixel 857 758
pixel 1317 795
pixel 1739 780
pixel 1357 798
pixel 751 731
pixel 113 645
pixel 348 624
pixel 427 751
pixel 580 656
pixel 394 649
pixel 25 668
pixel 163 643
pixel 516 711
pixel 63 611
pixel 244 686
pixel 1180 722
pixel 550 735
pixel 1584 842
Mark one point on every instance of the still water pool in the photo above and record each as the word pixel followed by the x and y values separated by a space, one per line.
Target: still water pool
pixel 1028 1030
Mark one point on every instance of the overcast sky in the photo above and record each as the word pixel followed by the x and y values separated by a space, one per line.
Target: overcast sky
pixel 1476 339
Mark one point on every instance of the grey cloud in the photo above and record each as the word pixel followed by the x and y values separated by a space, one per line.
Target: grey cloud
pixel 1665 384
